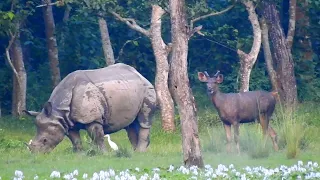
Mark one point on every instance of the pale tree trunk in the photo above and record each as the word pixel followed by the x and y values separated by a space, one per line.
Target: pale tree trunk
pixel 106 43
pixel 182 93
pixel 161 52
pixel 19 80
pixel 292 22
pixel 302 32
pixel 247 60
pixel 51 43
pixel 282 55
pixel 267 54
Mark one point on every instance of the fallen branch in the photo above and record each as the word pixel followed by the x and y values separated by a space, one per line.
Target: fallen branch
pixel 132 24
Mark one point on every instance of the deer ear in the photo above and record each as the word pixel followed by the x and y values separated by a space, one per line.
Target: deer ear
pixel 219 78
pixel 47 108
pixel 202 77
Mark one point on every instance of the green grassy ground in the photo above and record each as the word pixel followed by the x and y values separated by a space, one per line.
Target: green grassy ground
pixel 165 149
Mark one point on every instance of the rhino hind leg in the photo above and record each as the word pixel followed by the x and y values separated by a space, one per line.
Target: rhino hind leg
pixel 74 136
pixel 133 132
pixel 145 121
pixel 96 133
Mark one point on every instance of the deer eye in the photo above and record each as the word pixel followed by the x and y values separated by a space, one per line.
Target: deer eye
pixel 45 140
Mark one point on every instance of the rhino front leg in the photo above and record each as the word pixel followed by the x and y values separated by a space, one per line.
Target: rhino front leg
pixel 96 133
pixel 74 136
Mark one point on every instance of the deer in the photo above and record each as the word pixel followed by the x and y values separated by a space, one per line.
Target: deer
pixel 243 107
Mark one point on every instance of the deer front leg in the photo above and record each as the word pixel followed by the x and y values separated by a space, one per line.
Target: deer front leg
pixel 236 127
pixel 227 128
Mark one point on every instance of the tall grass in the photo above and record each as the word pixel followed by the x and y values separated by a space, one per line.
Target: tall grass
pixel 292 131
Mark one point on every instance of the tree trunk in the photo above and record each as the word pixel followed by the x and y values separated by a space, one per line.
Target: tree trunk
pixel 106 43
pixel 247 60
pixel 20 83
pixel 51 43
pixel 267 55
pixel 282 55
pixel 161 52
pixel 182 92
pixel 302 32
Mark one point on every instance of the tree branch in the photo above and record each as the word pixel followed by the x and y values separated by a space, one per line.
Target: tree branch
pixel 121 50
pixel 256 29
pixel 13 38
pixel 58 3
pixel 132 24
pixel 209 15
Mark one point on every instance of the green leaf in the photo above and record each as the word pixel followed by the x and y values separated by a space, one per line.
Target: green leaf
pixel 135 43
pixel 10 15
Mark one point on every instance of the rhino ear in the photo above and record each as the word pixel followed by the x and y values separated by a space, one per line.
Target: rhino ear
pixel 31 113
pixel 47 108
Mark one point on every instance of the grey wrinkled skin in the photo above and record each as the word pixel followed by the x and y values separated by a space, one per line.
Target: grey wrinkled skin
pixel 102 101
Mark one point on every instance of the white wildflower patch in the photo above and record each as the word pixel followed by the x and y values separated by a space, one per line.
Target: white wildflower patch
pixel 300 170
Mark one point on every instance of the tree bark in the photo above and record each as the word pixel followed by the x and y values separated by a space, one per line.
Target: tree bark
pixel 247 60
pixel 51 43
pixel 282 55
pixel 20 82
pixel 106 43
pixel 267 54
pixel 180 82
pixel 161 52
pixel 302 29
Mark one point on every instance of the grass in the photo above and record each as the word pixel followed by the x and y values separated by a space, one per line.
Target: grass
pixel 165 149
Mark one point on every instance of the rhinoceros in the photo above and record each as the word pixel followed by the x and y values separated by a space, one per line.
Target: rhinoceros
pixel 101 101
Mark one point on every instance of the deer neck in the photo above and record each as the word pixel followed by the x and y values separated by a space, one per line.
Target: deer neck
pixel 217 98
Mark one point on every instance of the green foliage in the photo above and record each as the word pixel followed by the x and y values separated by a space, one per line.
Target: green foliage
pixel 123 153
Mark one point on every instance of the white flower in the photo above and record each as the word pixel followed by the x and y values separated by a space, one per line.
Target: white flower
pixel 171 168
pixel 75 172
pixel 18 173
pixel 300 163
pixel 55 174
pixel 315 164
pixel 137 169
pixel 35 177
pixel 231 166
pixel 156 176
pixel 85 176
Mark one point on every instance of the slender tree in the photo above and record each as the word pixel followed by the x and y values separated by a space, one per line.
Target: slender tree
pixel 180 34
pixel 161 51
pixel 106 43
pixel 248 60
pixel 51 42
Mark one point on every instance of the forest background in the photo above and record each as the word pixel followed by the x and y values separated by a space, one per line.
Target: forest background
pixel 79 44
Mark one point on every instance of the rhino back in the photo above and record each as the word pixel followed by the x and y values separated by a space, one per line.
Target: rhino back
pixel 115 94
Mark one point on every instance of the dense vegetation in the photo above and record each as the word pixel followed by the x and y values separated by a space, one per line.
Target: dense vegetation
pixel 79 46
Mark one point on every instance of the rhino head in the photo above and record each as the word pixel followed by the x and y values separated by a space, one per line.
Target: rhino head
pixel 50 131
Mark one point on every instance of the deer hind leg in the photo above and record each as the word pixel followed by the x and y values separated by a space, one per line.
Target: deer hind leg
pixel 227 128
pixel 236 127
pixel 273 135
